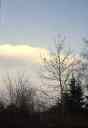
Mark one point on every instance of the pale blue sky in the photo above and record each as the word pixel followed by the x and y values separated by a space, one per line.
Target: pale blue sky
pixel 38 21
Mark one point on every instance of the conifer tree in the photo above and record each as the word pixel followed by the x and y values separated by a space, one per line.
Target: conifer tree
pixel 73 99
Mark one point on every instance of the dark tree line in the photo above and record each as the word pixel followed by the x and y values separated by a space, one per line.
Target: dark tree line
pixel 20 113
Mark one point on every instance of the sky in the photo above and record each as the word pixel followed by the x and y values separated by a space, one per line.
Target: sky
pixel 37 22
pixel 29 27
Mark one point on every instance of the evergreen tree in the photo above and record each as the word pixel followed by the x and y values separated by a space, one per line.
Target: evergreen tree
pixel 86 100
pixel 73 99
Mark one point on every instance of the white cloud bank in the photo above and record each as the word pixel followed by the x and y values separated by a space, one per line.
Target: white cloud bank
pixel 22 52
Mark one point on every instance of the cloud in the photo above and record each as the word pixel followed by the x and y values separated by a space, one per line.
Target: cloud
pixel 22 52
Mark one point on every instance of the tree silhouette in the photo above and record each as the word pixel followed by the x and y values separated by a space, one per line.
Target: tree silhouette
pixel 74 98
pixel 58 69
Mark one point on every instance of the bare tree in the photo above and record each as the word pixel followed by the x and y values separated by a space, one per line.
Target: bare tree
pixel 59 66
pixel 20 92
pixel 24 94
pixel 10 88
